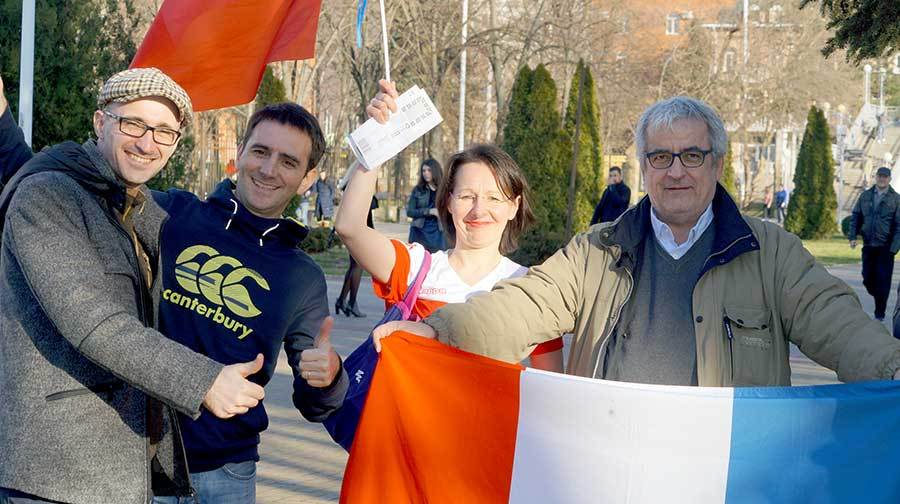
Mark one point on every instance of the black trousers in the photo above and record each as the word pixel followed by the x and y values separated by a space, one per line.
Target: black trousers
pixel 877 270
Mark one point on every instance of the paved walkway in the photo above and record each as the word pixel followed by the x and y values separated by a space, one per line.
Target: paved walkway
pixel 300 463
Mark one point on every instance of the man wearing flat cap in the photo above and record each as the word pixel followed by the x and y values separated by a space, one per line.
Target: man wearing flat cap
pixel 876 216
pixel 89 388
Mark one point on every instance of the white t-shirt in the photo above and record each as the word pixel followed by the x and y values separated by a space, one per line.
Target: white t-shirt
pixel 443 283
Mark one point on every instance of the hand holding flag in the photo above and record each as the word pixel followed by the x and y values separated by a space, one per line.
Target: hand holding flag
pixel 417 328
pixel 384 103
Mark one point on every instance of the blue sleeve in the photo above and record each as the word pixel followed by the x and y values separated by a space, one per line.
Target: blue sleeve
pixel 173 199
pixel 14 152
pixel 856 220
pixel 413 211
pixel 315 404
pixel 598 210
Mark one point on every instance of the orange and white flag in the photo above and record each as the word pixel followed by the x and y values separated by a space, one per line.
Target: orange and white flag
pixel 444 426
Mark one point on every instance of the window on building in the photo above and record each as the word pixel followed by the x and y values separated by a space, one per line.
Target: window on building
pixel 672 24
pixel 775 12
pixel 728 61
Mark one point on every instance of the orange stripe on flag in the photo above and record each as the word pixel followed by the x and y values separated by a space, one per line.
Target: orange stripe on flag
pixel 217 49
pixel 439 425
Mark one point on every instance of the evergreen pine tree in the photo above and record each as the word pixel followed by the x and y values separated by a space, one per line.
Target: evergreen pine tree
pixel 518 118
pixel 800 201
pixel 727 180
pixel 271 90
pixel 826 197
pixel 813 202
pixel 534 139
pixel 589 181
pixel 533 136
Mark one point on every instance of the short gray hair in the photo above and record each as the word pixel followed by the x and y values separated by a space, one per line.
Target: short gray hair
pixel 664 114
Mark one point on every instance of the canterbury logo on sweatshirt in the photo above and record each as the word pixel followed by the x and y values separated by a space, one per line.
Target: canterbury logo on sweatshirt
pixel 220 281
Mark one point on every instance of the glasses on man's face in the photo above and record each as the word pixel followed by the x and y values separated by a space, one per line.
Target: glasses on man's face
pixel 468 199
pixel 691 158
pixel 136 128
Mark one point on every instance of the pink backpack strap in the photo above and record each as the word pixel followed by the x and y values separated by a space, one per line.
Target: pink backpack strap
pixel 412 293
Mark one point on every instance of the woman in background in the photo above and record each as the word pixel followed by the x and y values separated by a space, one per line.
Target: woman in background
pixel 353 276
pixel 425 227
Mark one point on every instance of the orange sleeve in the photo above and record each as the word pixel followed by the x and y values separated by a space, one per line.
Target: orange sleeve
pixel 394 289
pixel 548 346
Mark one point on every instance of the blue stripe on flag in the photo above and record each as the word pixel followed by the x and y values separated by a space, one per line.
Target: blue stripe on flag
pixel 360 15
pixel 829 443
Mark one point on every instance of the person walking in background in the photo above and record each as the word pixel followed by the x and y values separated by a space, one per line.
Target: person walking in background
pixel 324 190
pixel 768 202
pixel 302 210
pixel 876 216
pixel 615 200
pixel 781 203
pixel 425 228
pixel 353 276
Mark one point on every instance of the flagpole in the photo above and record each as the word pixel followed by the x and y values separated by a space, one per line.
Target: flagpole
pixel 26 70
pixel 462 76
pixel 384 43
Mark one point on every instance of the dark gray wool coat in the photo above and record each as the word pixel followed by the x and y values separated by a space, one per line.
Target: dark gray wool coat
pixel 85 380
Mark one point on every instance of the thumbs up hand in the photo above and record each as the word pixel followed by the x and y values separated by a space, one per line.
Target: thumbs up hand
pixel 319 365
pixel 231 393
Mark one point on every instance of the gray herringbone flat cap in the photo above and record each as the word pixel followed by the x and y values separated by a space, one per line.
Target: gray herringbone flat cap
pixel 136 83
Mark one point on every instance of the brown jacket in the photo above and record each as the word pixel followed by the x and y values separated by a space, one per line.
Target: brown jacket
pixel 759 280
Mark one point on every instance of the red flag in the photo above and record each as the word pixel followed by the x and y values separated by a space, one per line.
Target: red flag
pixel 439 426
pixel 218 49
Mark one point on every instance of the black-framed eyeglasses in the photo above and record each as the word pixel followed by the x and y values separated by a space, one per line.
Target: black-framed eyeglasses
pixel 690 158
pixel 136 128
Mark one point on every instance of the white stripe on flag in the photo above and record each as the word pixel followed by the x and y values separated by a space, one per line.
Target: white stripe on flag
pixel 582 440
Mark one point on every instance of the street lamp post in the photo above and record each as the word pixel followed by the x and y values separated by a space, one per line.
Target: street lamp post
pixel 462 76
pixel 867 87
pixel 26 70
pixel 882 72
pixel 841 138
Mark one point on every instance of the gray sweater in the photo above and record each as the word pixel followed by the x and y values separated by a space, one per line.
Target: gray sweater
pixel 655 342
pixel 84 378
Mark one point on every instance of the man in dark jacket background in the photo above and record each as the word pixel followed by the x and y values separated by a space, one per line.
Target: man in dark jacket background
pixel 876 216
pixel 89 386
pixel 615 200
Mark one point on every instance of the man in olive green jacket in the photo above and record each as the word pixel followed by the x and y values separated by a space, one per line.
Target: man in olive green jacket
pixel 681 289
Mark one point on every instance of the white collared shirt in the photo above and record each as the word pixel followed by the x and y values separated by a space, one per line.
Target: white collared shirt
pixel 666 238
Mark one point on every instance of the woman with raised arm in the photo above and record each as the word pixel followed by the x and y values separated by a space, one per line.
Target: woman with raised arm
pixel 483 207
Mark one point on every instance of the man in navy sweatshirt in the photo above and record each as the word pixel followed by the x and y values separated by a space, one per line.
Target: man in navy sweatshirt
pixel 235 284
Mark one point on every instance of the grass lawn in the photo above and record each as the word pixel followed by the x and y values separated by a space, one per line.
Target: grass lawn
pixel 830 251
pixel 834 250
pixel 333 261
